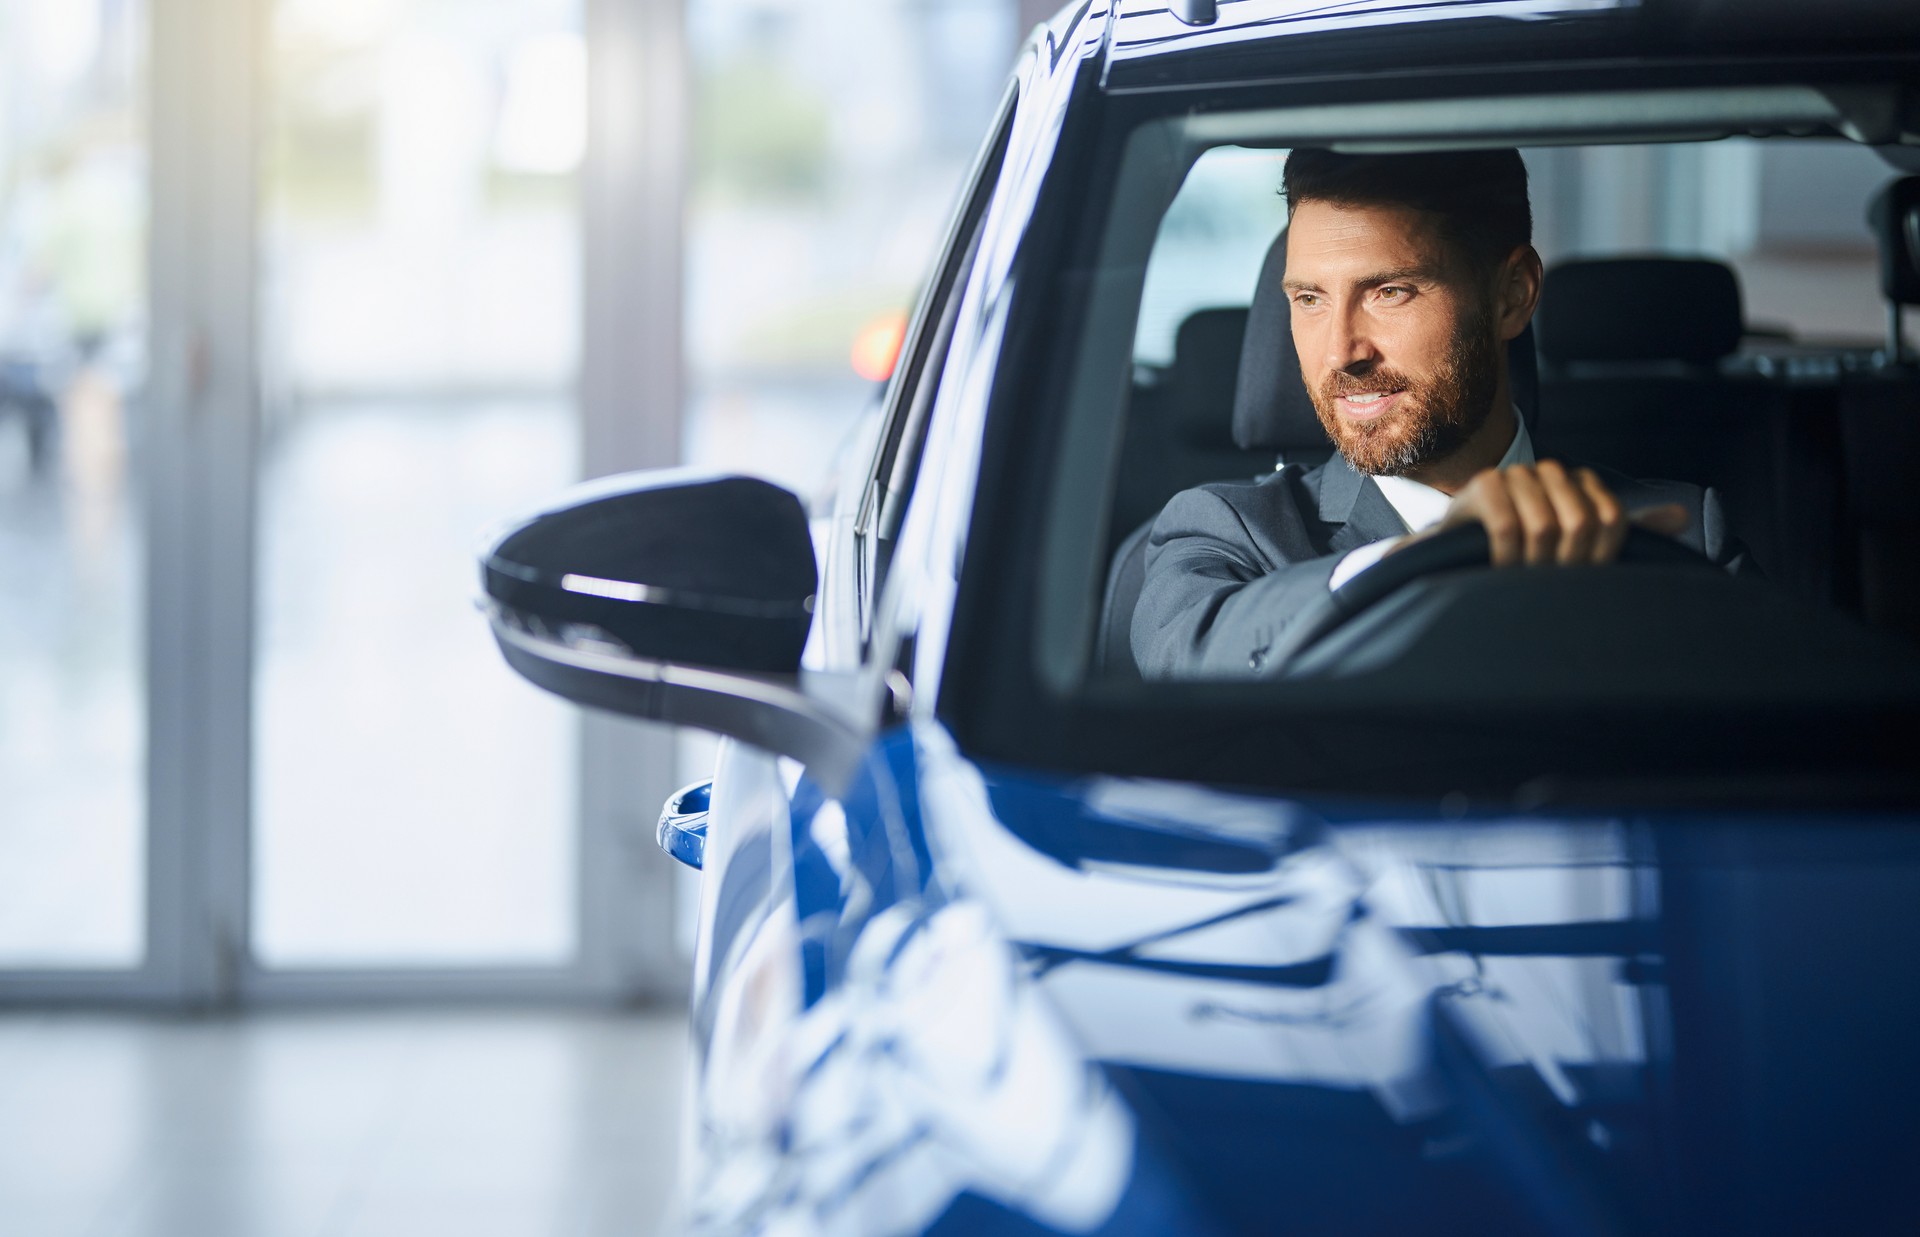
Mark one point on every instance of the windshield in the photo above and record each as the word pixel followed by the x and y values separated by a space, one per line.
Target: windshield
pixel 1706 347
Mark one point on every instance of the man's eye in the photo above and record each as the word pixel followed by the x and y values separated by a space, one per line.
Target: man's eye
pixel 1305 299
pixel 1394 294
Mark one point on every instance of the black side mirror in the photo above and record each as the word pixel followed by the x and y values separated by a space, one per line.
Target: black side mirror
pixel 673 566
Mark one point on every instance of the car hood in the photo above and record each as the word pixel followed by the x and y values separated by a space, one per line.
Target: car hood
pixel 1111 1005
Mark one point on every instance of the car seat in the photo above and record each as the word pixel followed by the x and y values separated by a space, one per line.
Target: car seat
pixel 1637 374
pixel 1178 424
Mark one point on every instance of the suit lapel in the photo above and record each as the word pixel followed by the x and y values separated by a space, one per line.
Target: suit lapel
pixel 1351 500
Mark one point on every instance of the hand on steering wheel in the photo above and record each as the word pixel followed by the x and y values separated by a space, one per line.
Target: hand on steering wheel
pixel 1544 514
pixel 1519 515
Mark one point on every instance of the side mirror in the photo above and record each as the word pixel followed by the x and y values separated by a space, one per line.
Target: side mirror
pixel 671 567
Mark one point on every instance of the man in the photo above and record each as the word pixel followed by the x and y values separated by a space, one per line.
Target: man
pixel 1407 275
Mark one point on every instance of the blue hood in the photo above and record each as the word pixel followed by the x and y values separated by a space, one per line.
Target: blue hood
pixel 1032 1004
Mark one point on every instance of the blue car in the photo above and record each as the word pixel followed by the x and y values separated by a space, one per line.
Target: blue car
pixel 1569 901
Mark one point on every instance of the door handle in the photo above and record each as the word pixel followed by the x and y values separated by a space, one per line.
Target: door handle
pixel 683 823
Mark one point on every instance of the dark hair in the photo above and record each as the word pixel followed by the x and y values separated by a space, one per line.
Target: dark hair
pixel 1478 197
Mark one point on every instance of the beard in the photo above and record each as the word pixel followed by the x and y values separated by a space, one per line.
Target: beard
pixel 1436 417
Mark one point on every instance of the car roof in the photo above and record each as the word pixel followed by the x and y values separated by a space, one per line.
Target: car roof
pixel 1156 44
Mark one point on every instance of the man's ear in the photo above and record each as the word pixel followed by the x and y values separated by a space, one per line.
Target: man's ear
pixel 1516 292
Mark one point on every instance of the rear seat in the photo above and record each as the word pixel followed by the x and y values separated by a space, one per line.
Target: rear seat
pixel 1179 425
pixel 1638 373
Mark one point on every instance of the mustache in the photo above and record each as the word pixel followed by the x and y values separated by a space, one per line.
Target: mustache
pixel 1383 380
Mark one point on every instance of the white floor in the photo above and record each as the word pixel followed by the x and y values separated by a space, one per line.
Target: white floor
pixel 339 1125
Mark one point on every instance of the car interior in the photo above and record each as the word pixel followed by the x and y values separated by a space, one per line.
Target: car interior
pixel 1645 363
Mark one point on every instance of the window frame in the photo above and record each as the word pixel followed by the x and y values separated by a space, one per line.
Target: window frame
pixel 915 383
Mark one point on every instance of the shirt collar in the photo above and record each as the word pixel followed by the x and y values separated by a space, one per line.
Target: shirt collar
pixel 1421 506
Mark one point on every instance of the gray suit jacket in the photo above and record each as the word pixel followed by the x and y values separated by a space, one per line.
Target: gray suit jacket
pixel 1231 564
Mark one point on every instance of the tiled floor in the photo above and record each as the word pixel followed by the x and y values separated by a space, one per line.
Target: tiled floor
pixel 339 1125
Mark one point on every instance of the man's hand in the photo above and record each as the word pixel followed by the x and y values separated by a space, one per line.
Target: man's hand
pixel 1543 514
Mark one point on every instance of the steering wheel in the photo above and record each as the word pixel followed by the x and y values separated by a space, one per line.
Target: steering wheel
pixel 1457 549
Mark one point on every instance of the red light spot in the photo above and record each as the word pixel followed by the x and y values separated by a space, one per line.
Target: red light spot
pixel 876 349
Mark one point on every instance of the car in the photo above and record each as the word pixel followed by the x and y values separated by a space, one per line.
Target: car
pixel 1571 902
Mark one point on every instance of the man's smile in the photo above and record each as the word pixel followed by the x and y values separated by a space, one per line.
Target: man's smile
pixel 1367 405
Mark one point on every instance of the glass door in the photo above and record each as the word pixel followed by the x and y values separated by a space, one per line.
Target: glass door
pixel 294 304
pixel 73 203
pixel 414 801
pixel 463 226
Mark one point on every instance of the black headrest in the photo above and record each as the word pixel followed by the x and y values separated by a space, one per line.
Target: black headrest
pixel 1206 351
pixel 1271 408
pixel 1894 216
pixel 1640 309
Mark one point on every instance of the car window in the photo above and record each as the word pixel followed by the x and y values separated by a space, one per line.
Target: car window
pixel 915 383
pixel 1210 242
pixel 1712 333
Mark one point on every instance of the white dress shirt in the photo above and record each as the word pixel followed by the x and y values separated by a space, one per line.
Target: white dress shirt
pixel 1420 507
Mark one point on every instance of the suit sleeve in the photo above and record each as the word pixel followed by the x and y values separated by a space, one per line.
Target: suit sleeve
pixel 1212 602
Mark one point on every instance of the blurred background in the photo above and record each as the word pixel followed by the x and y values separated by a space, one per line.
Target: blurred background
pixel 313 917
pixel 256 748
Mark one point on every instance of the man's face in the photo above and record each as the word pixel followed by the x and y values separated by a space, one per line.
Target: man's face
pixel 1397 340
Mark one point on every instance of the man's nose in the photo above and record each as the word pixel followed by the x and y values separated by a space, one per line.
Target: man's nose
pixel 1347 344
